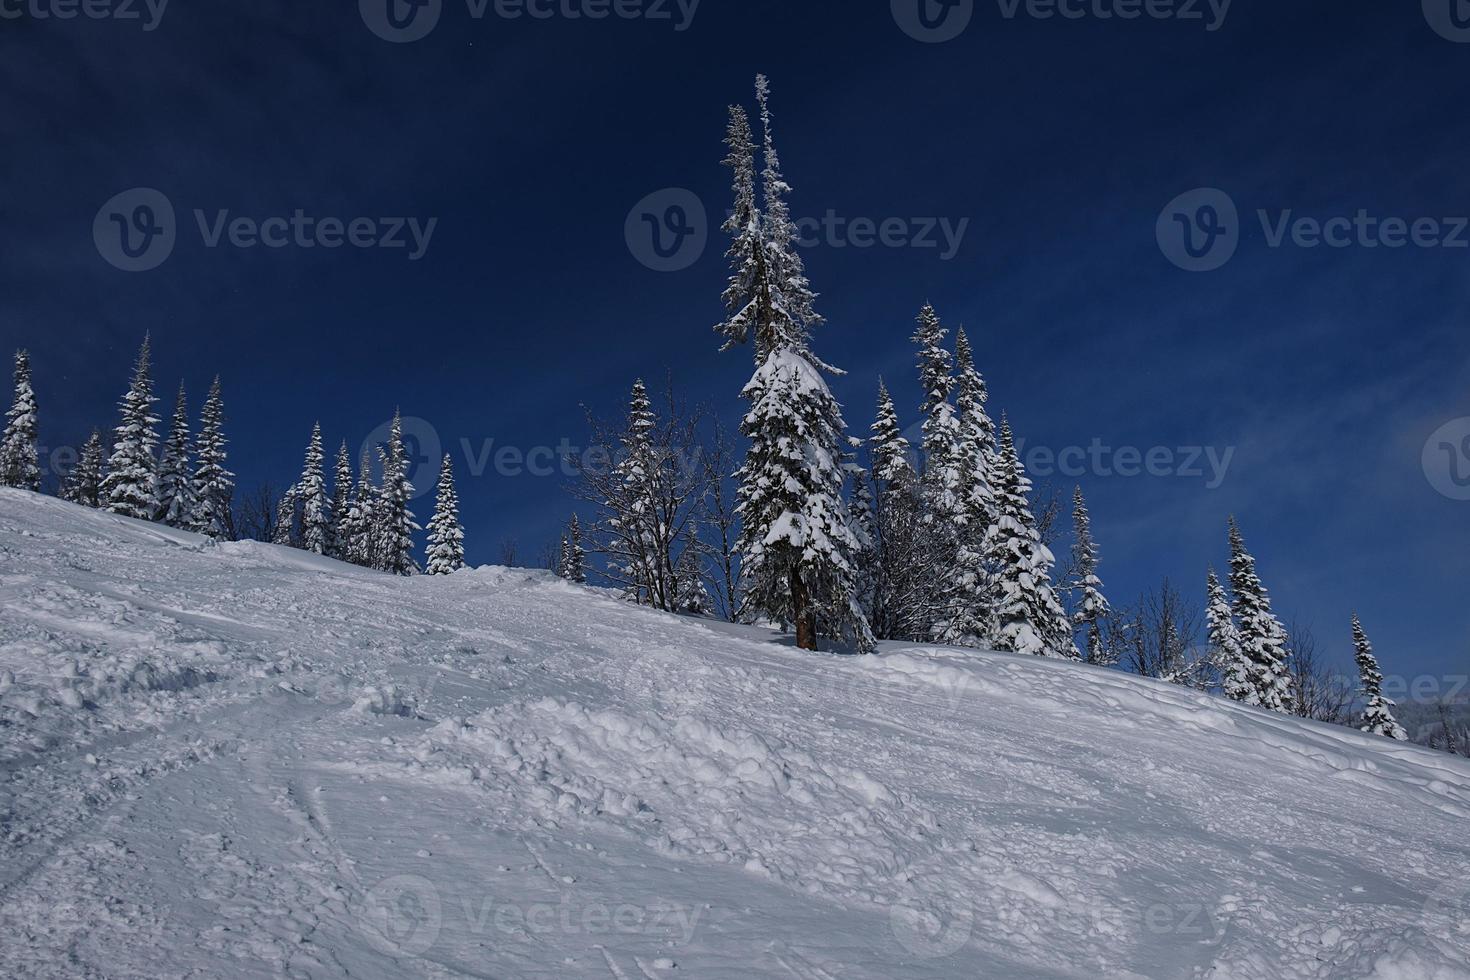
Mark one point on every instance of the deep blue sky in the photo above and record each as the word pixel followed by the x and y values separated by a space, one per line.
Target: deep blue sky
pixel 1060 141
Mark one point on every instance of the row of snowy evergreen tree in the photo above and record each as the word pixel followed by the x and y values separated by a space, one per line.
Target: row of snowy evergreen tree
pixel 182 481
pixel 948 550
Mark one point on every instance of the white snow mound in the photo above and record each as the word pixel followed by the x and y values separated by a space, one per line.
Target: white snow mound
pixel 242 761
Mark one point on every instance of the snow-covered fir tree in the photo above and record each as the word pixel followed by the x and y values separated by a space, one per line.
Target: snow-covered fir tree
pixel 965 605
pixel 341 504
pixel 316 506
pixel 84 485
pixel 572 565
pixel 395 521
pixel 690 595
pixel 1262 637
pixel 1378 716
pixel 901 586
pixel 361 525
pixel 797 542
pixel 18 447
pixel 446 534
pixel 176 505
pixel 1028 616
pixel 1234 667
pixel 214 486
pixel 131 484
pixel 1092 606
pixel 747 298
pixel 889 450
pixel 288 518
pixel 942 477
pixel 796 538
pixel 637 558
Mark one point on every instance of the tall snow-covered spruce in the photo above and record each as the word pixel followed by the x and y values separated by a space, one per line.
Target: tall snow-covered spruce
pixel 446 534
pixel 1092 606
pixel 214 486
pixel 316 506
pixel 360 528
pixel 899 602
pixel 1235 668
pixel 84 485
pixel 1378 716
pixel 131 485
pixel 1262 637
pixel 1029 619
pixel 395 521
pixel 797 541
pixel 18 447
pixel 572 563
pixel 175 481
pixel 342 504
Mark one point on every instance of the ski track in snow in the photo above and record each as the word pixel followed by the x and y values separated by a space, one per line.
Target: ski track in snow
pixel 238 760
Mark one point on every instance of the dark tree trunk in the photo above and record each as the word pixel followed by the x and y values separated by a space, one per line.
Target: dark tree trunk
pixel 803 613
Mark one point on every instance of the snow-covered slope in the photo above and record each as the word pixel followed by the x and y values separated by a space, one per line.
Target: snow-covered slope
pixel 244 761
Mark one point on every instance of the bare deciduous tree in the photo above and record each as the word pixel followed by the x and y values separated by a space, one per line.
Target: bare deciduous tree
pixel 1321 693
pixel 1165 641
pixel 253 514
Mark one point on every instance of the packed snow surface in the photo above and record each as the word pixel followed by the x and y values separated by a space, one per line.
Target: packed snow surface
pixel 239 760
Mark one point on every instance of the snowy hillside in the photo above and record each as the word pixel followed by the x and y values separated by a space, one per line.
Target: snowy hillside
pixel 238 760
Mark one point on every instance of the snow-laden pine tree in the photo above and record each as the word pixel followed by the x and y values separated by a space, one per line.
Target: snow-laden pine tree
pixel 900 592
pixel 131 484
pixel 747 297
pixel 316 506
pixel 1378 716
pixel 633 549
pixel 1028 616
pixel 176 505
pixel 796 538
pixel 214 486
pixel 396 525
pixel 1234 667
pixel 797 541
pixel 341 504
pixel 84 485
pixel 1262 637
pixel 942 477
pixel 18 447
pixel 446 534
pixel 1092 606
pixel 288 518
pixel 362 522
pixel 965 613
pixel 573 564
pixel 690 595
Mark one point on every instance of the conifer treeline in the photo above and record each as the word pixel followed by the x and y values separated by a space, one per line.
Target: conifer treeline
pixel 182 481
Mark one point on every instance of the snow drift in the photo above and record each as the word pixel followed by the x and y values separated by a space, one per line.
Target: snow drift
pixel 238 760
